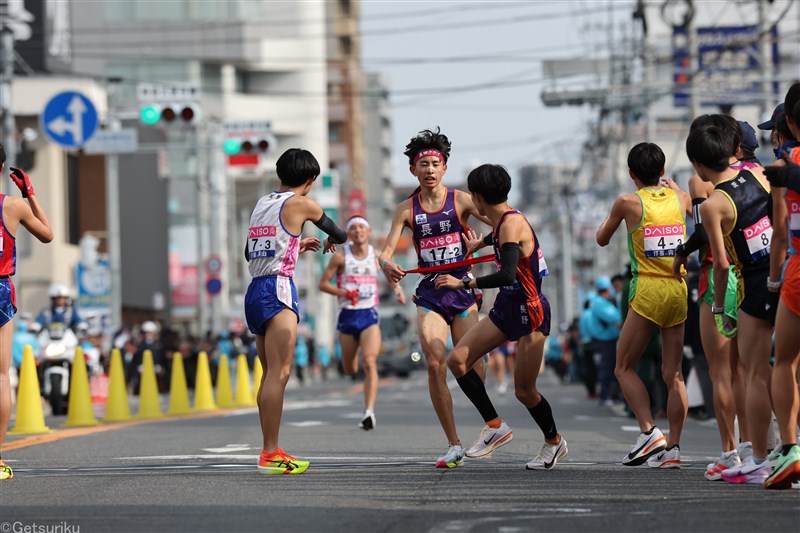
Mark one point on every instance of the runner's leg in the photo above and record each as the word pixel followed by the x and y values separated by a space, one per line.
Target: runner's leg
pixel 677 401
pixel 433 333
pixel 276 358
pixel 635 334
pixel 370 341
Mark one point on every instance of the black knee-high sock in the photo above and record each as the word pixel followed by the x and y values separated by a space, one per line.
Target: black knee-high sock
pixel 475 390
pixel 543 416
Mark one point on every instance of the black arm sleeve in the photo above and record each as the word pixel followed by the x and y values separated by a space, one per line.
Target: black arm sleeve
pixel 335 234
pixel 793 178
pixel 509 257
pixel 246 253
pixel 487 241
pixel 699 237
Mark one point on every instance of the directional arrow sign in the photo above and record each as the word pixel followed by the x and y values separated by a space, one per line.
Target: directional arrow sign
pixel 69 119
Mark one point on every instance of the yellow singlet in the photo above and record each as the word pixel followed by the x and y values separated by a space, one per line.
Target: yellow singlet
pixel 655 293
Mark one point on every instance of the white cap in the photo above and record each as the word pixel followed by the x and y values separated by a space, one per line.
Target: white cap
pixel 149 327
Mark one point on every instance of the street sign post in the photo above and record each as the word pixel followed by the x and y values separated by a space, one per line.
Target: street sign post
pixel 69 119
pixel 123 141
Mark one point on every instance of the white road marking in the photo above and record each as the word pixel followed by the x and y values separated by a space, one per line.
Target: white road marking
pixel 229 448
pixel 307 424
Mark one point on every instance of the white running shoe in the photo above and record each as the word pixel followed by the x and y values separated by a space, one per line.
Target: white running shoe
pixel 548 456
pixel 726 460
pixel 646 445
pixel 502 388
pixel 668 458
pixel 368 422
pixel 453 458
pixel 489 439
pixel 749 472
pixel 745 450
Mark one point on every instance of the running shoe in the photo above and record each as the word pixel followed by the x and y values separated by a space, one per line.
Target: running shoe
pixel 453 458
pixel 786 470
pixel 5 471
pixel 548 456
pixel 745 450
pixel 749 472
pixel 646 445
pixel 368 422
pixel 726 460
pixel 668 458
pixel 490 439
pixel 280 462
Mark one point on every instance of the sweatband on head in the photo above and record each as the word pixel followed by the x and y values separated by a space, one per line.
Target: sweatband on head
pixel 429 152
pixel 357 220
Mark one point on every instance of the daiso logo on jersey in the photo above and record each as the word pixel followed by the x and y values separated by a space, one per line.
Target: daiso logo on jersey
pixel 441 240
pixel 664 231
pixel 757 229
pixel 262 231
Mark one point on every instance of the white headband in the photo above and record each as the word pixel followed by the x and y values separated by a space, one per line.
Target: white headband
pixel 357 220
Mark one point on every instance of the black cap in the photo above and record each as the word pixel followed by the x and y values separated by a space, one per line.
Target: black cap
pixel 749 137
pixel 770 124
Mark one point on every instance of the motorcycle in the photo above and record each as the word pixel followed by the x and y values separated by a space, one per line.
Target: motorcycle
pixel 57 344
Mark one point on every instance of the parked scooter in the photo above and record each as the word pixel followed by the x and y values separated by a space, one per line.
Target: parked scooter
pixel 57 350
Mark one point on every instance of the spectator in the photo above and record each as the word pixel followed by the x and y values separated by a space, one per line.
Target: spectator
pixel 605 327
pixel 587 369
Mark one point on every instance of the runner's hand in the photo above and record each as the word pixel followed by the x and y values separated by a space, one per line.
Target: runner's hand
pixel 725 325
pixel 353 296
pixel 473 242
pixel 329 247
pixel 393 272
pixel 679 266
pixel 776 174
pixel 446 281
pixel 400 295
pixel 310 244
pixel 771 305
pixel 22 181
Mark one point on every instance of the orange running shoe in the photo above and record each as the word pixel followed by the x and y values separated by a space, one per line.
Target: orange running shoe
pixel 280 462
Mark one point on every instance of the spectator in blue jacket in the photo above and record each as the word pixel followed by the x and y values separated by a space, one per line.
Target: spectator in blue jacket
pixel 587 369
pixel 604 327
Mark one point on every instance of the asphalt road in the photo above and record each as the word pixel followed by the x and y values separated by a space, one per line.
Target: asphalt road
pixel 198 474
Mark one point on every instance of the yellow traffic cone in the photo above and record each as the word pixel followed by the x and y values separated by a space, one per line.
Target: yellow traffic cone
pixel 79 408
pixel 258 372
pixel 224 389
pixel 178 392
pixel 149 403
pixel 117 409
pixel 203 390
pixel 244 393
pixel 30 417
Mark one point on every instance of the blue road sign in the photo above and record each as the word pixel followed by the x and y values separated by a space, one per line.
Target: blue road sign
pixel 213 286
pixel 69 119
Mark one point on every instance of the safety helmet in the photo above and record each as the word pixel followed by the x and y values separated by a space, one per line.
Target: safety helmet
pixel 57 290
pixel 602 283
pixel 149 327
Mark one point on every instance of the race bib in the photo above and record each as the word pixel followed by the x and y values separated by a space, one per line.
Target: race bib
pixel 794 218
pixel 661 241
pixel 758 237
pixel 367 286
pixel 445 248
pixel 261 241
pixel 542 264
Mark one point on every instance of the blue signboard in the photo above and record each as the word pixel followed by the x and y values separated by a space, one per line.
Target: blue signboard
pixel 94 286
pixel 69 119
pixel 728 66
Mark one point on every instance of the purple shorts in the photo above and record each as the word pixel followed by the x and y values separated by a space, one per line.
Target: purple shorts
pixel 445 302
pixel 517 318
pixel 8 301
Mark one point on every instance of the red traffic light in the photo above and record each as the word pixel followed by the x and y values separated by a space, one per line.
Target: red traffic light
pixel 187 114
pixel 263 145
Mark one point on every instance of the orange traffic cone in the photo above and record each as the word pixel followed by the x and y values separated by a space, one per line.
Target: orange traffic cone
pixel 244 393
pixel 30 417
pixel 178 392
pixel 79 409
pixel 203 390
pixel 149 403
pixel 117 408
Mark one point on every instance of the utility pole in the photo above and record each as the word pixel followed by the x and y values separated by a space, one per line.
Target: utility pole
pixel 9 125
pixel 113 230
pixel 218 228
pixel 764 44
pixel 694 66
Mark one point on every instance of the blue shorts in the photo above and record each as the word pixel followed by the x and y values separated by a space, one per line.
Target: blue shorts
pixel 354 321
pixel 517 318
pixel 446 302
pixel 8 301
pixel 266 297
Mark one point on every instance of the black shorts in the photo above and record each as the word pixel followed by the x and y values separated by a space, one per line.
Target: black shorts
pixel 753 294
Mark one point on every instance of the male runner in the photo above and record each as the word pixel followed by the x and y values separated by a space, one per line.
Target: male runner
pixel 14 211
pixel 736 218
pixel 723 357
pixel 355 267
pixel 655 219
pixel 273 244
pixel 520 313
pixel 436 216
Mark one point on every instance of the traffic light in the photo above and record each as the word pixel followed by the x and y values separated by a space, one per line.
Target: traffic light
pixel 248 145
pixel 166 114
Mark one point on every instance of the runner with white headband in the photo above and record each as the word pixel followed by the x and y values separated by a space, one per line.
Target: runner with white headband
pixel 355 267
